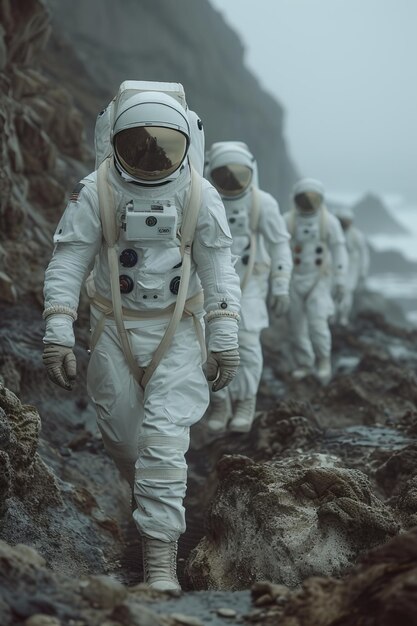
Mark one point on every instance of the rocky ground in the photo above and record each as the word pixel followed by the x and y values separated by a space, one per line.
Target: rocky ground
pixel 320 499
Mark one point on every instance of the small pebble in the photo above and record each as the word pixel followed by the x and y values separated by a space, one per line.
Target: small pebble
pixel 226 612
pixel 103 592
pixel 188 620
pixel 42 620
pixel 264 600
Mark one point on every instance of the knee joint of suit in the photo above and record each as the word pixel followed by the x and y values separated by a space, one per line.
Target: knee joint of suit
pixel 161 457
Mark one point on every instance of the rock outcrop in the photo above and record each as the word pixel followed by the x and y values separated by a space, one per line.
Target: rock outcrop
pixel 39 508
pixel 33 595
pixel 286 520
pixel 380 592
pixel 41 143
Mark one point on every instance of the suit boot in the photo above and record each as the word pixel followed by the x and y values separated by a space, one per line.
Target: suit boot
pixel 243 416
pixel 220 413
pixel 324 370
pixel 160 564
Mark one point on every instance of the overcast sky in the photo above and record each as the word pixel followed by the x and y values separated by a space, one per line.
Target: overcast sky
pixel 346 73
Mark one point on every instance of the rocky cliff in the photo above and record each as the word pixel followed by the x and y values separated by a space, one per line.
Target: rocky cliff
pixel 41 149
pixel 184 41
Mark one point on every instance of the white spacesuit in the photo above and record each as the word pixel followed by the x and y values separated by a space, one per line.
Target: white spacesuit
pixel 139 277
pixel 358 266
pixel 261 242
pixel 320 262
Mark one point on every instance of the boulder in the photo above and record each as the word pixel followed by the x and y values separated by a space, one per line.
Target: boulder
pixel 286 520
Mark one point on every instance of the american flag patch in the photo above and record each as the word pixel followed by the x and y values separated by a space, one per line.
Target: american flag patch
pixel 76 192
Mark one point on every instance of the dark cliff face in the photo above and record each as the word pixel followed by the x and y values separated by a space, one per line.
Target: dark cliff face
pixel 41 146
pixel 184 41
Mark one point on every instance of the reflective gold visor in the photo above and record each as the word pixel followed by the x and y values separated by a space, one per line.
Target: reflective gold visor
pixel 231 180
pixel 150 153
pixel 308 201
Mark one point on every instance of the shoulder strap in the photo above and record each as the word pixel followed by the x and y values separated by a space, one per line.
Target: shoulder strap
pixel 191 211
pixel 255 210
pixel 111 234
pixel 189 222
pixel 107 204
pixel 253 223
pixel 324 223
pixel 291 221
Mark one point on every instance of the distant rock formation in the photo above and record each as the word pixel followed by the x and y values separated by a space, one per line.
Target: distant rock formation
pixel 374 218
pixel 390 262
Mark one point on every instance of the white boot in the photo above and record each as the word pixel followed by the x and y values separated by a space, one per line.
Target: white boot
pixel 301 372
pixel 324 370
pixel 220 413
pixel 244 414
pixel 160 564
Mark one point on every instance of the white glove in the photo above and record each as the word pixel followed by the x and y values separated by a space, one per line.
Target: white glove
pixel 221 368
pixel 60 364
pixel 280 304
pixel 338 293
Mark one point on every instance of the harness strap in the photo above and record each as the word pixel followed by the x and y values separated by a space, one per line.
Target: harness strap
pixel 253 225
pixel 107 205
pixel 105 308
pixel 189 220
pixel 324 219
pixel 111 233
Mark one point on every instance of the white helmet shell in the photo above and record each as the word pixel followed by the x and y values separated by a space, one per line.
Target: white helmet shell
pixel 151 137
pixel 223 153
pixel 308 184
pixel 151 108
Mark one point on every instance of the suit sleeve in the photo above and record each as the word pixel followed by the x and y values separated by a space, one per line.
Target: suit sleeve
pixel 77 241
pixel 273 228
pixel 337 245
pixel 215 267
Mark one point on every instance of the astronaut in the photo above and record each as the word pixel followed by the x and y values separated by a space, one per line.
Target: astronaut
pixel 358 266
pixel 320 262
pixel 261 242
pixel 130 221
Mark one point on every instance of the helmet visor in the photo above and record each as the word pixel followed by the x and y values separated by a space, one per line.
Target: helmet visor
pixel 308 201
pixel 231 180
pixel 150 153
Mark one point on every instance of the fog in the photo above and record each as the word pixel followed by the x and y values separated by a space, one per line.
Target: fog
pixel 346 73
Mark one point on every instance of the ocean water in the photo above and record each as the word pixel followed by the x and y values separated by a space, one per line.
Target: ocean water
pixel 406 214
pixel 399 287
